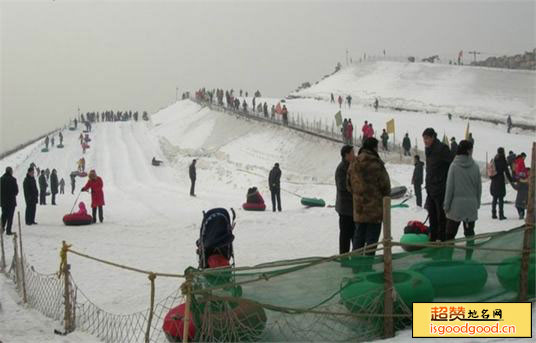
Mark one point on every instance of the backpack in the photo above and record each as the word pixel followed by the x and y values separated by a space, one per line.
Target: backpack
pixel 216 235
pixel 415 226
pixel 492 171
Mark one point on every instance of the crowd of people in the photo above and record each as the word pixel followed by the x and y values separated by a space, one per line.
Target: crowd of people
pixel 452 181
pixel 109 116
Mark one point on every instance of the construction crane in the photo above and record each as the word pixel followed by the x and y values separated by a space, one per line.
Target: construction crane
pixel 474 53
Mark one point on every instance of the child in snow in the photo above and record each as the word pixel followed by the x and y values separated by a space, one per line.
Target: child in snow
pixel 522 188
pixel 82 208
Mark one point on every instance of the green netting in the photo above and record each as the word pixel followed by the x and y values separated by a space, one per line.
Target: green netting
pixel 341 298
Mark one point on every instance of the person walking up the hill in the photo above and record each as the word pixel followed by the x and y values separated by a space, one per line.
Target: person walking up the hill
pixel 43 188
pixel 344 202
pixel 339 99
pixel 274 182
pixel 417 178
pixel 463 193
pixel 193 176
pixel 97 195
pixel 46 142
pixel 54 185
pixel 369 183
pixel 8 199
pixel 61 138
pixel 62 186
pixel 509 124
pixel 498 183
pixel 438 159
pixel 332 98
pixel 349 101
pixel 406 145
pixel 31 193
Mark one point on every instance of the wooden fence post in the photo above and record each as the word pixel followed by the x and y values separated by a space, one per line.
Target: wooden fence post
pixel 152 277
pixel 66 271
pixel 187 313
pixel 530 221
pixel 16 260
pixel 388 325
pixel 24 297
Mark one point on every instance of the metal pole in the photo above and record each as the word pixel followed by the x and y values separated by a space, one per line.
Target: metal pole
pixel 388 325
pixel 3 257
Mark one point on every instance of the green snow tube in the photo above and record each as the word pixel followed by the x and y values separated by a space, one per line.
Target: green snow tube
pixel 359 263
pixel 60 146
pixel 365 292
pixel 44 150
pixel 413 238
pixel 509 273
pixel 453 278
pixel 313 202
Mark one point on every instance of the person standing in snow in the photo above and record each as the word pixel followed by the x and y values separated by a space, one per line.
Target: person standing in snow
pixel 509 124
pixel 385 139
pixel 43 188
pixel 369 183
pixel 253 103
pixel 438 159
pixel 274 182
pixel 343 129
pixel 265 109
pixel 522 197
pixel 97 195
pixel 284 114
pixel 370 130
pixel 364 131
pixel 417 178
pixel 349 101
pixel 339 99
pixel 332 98
pixel 73 182
pixel 47 173
pixel 54 185
pixel 245 106
pixel 406 145
pixel 193 176
pixel 61 138
pixel 463 193
pixel 498 184
pixel 344 202
pixel 520 170
pixel 349 132
pixel 510 159
pixel 376 104
pixel 52 141
pixel 46 142
pixel 454 146
pixel 8 199
pixel 31 194
pixel 62 186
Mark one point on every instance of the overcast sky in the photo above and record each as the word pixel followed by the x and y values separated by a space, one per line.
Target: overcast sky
pixel 59 55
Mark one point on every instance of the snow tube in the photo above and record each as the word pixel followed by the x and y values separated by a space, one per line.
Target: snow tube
pixel 173 326
pixel 509 272
pixel 253 207
pixel 72 129
pixel 313 202
pixel 75 219
pixel 453 278
pixel 85 146
pixel 365 291
pixel 413 238
pixel 398 192
pixel 82 174
pixel 60 146
pixel 233 321
pixel 44 150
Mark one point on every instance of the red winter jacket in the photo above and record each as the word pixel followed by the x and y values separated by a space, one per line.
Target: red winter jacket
pixel 97 196
pixel 520 170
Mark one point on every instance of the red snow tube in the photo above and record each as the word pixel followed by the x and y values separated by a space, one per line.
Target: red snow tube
pixel 174 325
pixel 85 146
pixel 82 174
pixel 253 207
pixel 76 219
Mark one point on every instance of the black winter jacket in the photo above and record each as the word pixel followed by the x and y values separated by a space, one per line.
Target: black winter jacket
pixel 418 173
pixel 498 183
pixel 274 179
pixel 31 194
pixel 438 159
pixel 344 203
pixel 8 191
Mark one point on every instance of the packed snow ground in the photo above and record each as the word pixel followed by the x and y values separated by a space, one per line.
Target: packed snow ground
pixel 478 92
pixel 152 223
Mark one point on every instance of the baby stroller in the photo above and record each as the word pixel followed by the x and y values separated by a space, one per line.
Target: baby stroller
pixel 215 243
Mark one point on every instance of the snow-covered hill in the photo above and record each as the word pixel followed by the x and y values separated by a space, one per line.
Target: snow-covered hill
pixel 476 92
pixel 152 223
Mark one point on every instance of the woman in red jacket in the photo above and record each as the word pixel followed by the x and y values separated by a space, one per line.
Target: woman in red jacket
pixel 97 196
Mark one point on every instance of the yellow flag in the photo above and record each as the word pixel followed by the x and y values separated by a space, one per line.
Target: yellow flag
pixel 390 126
pixel 467 131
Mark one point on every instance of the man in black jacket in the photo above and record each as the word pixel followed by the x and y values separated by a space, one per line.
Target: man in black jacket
pixel 438 159
pixel 406 144
pixel 30 196
pixel 274 182
pixel 344 203
pixel 54 185
pixel 193 176
pixel 8 199
pixel 498 184
pixel 417 179
pixel 43 188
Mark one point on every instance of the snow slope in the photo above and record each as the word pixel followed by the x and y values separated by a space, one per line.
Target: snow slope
pixel 473 91
pixel 152 223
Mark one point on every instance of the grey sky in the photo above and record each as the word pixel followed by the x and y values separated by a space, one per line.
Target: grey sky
pixel 58 55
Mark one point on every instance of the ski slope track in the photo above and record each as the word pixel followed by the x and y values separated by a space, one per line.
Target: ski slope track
pixel 151 222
